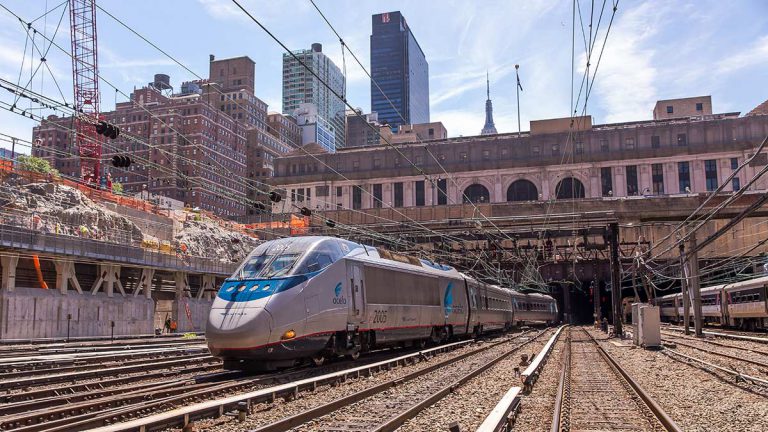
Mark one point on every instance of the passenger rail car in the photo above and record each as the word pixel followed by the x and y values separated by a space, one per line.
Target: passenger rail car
pixel 741 304
pixel 314 298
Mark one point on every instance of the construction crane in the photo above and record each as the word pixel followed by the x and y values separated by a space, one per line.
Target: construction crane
pixel 85 80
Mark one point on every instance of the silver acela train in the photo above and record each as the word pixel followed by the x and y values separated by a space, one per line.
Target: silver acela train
pixel 741 304
pixel 313 298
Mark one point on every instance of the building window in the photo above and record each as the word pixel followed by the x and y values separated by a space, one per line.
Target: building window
pixel 669 109
pixel 377 196
pixel 734 163
pixel 300 195
pixel 606 181
pixel 604 146
pixel 357 197
pixel 398 194
pixel 736 183
pixel 338 191
pixel 710 173
pixel 632 180
pixel 486 154
pixel 629 144
pixel 442 192
pixel 322 191
pixel 657 177
pixel 309 194
pixel 684 176
pixel 699 106
pixel 420 201
pixel 431 132
pixel 293 195
pixel 682 140
pixel 655 142
pixel 376 163
pixel 578 147
pixel 555 149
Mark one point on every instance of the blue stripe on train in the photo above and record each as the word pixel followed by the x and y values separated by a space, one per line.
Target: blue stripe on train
pixel 255 289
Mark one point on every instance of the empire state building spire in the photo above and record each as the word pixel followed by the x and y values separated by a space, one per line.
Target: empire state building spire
pixel 489 128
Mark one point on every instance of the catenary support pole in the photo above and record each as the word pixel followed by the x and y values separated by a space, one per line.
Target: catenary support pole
pixel 685 297
pixel 615 279
pixel 694 286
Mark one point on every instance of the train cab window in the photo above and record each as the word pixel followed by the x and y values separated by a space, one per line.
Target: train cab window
pixel 292 256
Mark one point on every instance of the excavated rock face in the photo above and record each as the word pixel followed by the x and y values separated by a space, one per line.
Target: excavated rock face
pixel 49 207
pixel 206 238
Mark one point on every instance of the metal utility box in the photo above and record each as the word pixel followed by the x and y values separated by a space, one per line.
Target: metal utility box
pixel 636 323
pixel 648 328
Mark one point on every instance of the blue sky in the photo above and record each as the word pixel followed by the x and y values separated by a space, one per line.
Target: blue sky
pixel 656 50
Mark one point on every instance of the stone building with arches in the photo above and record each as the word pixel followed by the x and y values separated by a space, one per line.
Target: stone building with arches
pixel 559 159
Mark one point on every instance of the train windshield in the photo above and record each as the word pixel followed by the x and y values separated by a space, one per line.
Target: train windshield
pixel 292 256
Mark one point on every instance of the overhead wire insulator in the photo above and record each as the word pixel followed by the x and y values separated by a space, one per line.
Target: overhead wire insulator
pixel 275 197
pixel 107 129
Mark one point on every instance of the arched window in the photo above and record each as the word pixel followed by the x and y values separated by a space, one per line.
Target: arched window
pixel 476 193
pixel 522 190
pixel 569 188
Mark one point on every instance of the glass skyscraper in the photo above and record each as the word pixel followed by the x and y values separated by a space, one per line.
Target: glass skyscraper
pixel 300 87
pixel 400 69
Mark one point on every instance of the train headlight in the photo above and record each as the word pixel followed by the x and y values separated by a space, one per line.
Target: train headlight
pixel 290 334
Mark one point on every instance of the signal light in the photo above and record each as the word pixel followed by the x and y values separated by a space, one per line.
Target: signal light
pixel 275 197
pixel 121 161
pixel 306 212
pixel 108 130
pixel 259 205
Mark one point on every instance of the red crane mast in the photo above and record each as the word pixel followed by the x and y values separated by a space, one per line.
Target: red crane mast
pixel 85 80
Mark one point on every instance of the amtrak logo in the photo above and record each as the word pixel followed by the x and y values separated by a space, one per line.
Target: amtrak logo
pixel 338 299
pixel 448 299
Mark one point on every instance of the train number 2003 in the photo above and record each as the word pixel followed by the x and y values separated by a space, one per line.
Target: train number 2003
pixel 379 316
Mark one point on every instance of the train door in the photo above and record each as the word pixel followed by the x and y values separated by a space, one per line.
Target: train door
pixel 357 288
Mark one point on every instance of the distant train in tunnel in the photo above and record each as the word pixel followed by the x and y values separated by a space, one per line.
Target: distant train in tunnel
pixel 313 298
pixel 741 304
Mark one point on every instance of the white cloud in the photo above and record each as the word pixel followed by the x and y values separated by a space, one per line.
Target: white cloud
pixel 753 55
pixel 625 84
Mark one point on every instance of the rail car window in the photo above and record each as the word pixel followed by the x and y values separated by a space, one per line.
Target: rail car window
pixel 747 296
pixel 385 286
pixel 709 300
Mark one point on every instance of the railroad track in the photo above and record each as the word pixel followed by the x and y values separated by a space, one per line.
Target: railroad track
pixel 710 341
pixel 46 377
pixel 388 405
pixel 103 407
pixel 731 357
pixel 596 394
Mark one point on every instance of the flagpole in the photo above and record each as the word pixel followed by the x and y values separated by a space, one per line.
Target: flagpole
pixel 517 90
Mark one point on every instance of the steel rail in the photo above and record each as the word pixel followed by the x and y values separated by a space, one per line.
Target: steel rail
pixel 74 365
pixel 763 340
pixel 655 408
pixel 217 407
pixel 720 344
pixel 562 392
pixel 732 372
pixel 728 356
pixel 73 390
pixel 394 423
pixel 89 374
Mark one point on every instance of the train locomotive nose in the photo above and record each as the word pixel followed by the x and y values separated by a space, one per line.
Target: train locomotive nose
pixel 233 330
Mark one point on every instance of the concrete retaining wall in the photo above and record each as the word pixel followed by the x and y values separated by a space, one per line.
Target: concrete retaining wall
pixel 37 313
pixel 198 310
